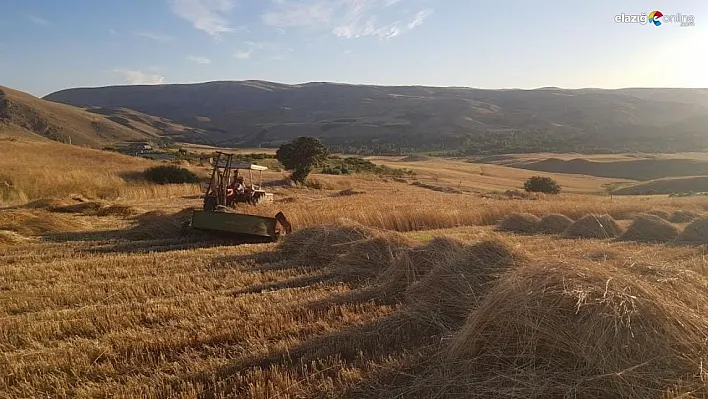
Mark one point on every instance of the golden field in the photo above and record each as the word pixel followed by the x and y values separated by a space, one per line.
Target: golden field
pixel 385 289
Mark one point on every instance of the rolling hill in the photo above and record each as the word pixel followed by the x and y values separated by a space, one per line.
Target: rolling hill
pixel 28 117
pixel 474 121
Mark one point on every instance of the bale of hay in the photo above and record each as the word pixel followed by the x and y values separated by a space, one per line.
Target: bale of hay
pixel 318 246
pixel 583 330
pixel 448 292
pixel 412 265
pixel 370 258
pixel 650 228
pixel 695 232
pixel 554 224
pixel 682 216
pixel 594 226
pixel 159 224
pixel 118 210
pixel 659 213
pixel 524 223
pixel 29 222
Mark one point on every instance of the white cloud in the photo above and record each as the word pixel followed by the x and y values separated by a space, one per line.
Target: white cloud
pixel 273 51
pixel 138 77
pixel 38 21
pixel 158 37
pixel 243 55
pixel 205 15
pixel 345 18
pixel 113 32
pixel 199 59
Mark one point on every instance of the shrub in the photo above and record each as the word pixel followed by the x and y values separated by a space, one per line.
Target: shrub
pixel 167 174
pixel 540 184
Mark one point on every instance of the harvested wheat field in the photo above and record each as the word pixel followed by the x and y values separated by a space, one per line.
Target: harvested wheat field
pixel 368 298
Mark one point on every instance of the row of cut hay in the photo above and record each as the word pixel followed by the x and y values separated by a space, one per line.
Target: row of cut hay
pixel 532 330
pixel 589 226
pixel 440 280
pixel 160 224
pixel 580 330
pixel 28 222
pixel 83 206
pixel 678 216
pixel 645 228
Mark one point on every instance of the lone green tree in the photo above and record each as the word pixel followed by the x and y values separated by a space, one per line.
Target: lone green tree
pixel 540 184
pixel 301 156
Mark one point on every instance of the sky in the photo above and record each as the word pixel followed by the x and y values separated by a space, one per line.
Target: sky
pixel 49 45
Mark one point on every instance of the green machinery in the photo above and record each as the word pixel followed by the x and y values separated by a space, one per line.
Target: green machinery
pixel 222 195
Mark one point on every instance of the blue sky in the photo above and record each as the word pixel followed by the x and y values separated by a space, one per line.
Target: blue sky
pixel 48 45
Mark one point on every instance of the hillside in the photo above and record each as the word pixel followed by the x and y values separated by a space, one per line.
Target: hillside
pixel 146 124
pixel 387 118
pixel 620 166
pixel 30 117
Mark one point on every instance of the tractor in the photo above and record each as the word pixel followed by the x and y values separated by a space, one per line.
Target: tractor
pixel 228 187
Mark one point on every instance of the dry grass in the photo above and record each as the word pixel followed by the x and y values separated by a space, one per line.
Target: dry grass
pixel 682 216
pixel 582 330
pixel 695 232
pixel 34 222
pixel 525 223
pixel 554 224
pixel 447 294
pixel 594 226
pixel 650 228
pixel 59 171
pixel 121 305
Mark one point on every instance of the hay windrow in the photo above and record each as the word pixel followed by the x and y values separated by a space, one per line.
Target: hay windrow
pixel 682 216
pixel 368 259
pixel 583 330
pixel 159 224
pixel 660 213
pixel 524 223
pixel 594 226
pixel 554 224
pixel 695 232
pixel 412 265
pixel 11 237
pixel 29 222
pixel 118 210
pixel 318 246
pixel 81 207
pixel 650 228
pixel 448 292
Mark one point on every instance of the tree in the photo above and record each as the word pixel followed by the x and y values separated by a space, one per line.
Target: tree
pixel 540 184
pixel 169 174
pixel 301 156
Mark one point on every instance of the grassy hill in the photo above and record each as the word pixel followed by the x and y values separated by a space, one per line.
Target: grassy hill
pixel 23 115
pixel 387 118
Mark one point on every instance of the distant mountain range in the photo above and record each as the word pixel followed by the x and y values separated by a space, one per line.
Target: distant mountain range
pixel 251 113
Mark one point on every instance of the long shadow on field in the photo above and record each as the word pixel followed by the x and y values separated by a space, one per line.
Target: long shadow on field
pixel 370 346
